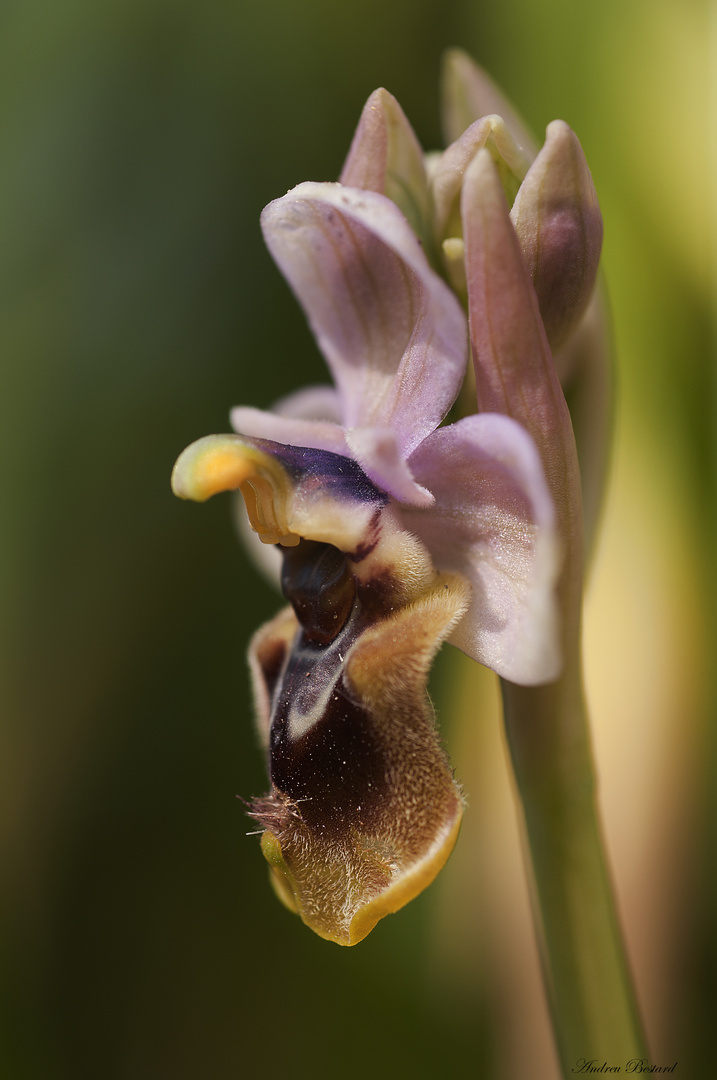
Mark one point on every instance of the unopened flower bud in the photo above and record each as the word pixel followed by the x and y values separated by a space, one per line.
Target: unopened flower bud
pixel 557 218
pixel 385 156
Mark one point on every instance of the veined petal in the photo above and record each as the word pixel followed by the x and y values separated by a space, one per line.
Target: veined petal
pixel 311 403
pixel 386 157
pixel 494 522
pixel 377 453
pixel 392 332
pixel 468 93
pixel 290 430
pixel 515 372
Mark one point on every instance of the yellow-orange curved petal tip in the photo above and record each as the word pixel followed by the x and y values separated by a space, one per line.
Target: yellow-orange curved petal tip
pixel 213 464
pixel 227 463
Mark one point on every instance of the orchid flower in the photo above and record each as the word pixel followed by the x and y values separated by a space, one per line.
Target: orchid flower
pixel 391 530
pixel 395 533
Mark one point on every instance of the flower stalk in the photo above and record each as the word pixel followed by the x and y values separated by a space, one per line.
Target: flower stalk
pixel 588 985
pixel 513 310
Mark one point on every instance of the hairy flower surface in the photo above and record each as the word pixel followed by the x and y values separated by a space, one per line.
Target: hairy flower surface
pixel 390 530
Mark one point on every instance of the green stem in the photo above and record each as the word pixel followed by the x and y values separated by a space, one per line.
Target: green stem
pixel 591 999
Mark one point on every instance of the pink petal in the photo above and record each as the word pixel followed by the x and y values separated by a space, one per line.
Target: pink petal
pixel 311 403
pixel 392 332
pixel 291 431
pixel 515 373
pixel 494 522
pixel 376 451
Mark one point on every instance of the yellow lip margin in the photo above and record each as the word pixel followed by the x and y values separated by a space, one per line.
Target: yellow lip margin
pixel 408 885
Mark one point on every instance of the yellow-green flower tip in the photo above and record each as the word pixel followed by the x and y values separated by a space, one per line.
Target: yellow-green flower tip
pixel 229 463
pixel 213 464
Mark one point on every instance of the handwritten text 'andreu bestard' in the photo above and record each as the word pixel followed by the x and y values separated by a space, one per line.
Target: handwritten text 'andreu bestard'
pixel 635 1065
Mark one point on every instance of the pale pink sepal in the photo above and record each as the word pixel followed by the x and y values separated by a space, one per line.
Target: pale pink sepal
pixel 297 420
pixel 289 430
pixel 392 332
pixel 494 522
pixel 311 403
pixel 515 373
pixel 376 451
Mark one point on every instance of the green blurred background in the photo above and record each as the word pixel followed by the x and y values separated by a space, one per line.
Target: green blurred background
pixel 139 140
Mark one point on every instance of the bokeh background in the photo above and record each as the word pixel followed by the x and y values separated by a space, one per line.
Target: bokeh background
pixel 139 140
